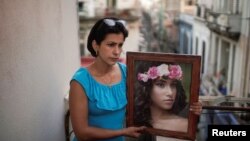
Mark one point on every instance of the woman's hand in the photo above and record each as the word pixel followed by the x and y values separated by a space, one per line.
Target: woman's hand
pixel 196 108
pixel 134 132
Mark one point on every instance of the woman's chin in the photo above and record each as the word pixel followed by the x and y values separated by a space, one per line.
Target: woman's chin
pixel 167 106
pixel 112 62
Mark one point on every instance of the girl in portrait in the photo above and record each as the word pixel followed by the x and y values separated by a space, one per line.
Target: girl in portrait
pixel 160 99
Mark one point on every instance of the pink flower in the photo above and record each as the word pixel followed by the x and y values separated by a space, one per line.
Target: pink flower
pixel 175 72
pixel 153 73
pixel 143 77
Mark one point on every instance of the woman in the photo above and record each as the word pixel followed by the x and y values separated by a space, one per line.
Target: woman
pixel 97 97
pixel 160 98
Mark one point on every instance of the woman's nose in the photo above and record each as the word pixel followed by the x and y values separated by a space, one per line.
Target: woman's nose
pixel 168 90
pixel 117 50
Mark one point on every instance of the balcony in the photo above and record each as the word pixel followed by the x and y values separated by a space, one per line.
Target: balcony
pixel 225 24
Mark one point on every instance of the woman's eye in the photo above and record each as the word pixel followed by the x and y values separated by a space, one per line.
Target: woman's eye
pixel 173 85
pixel 120 45
pixel 111 45
pixel 160 84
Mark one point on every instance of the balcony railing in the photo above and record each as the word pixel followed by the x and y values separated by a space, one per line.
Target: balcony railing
pixel 223 111
pixel 228 103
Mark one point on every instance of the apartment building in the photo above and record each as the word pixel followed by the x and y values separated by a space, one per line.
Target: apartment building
pixel 225 59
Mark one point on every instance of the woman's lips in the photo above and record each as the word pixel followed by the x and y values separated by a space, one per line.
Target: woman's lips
pixel 169 101
pixel 114 59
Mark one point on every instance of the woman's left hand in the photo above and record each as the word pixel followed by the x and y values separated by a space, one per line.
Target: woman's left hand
pixel 196 108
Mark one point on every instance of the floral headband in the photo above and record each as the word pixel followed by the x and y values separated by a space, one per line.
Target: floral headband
pixel 171 71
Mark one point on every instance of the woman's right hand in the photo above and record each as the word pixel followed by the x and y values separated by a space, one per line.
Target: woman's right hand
pixel 134 132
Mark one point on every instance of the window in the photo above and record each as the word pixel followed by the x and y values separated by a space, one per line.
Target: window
pixel 224 79
pixel 111 3
pixel 189 2
pixel 216 55
pixel 232 68
pixel 80 6
pixel 196 45
pixel 186 43
pixel 203 56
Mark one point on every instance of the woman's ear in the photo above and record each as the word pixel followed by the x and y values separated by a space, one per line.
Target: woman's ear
pixel 94 45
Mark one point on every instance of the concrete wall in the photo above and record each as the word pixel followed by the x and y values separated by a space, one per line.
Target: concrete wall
pixel 39 52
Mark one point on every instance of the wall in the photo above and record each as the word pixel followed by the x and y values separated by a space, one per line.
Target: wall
pixel 245 43
pixel 39 52
pixel 128 4
pixel 202 33
pixel 186 33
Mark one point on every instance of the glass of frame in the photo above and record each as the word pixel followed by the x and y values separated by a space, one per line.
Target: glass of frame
pixel 161 87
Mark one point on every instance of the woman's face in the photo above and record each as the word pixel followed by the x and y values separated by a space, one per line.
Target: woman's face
pixel 110 48
pixel 163 93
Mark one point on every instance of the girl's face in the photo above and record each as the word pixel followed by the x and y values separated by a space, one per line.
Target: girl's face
pixel 163 93
pixel 110 48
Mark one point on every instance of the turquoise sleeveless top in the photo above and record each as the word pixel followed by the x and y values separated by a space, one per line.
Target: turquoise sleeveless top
pixel 107 104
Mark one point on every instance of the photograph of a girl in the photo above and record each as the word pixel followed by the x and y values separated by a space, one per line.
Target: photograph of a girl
pixel 160 99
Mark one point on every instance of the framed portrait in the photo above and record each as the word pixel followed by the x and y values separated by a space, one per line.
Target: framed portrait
pixel 160 88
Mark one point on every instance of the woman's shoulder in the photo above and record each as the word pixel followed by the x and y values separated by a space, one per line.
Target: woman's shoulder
pixel 123 68
pixel 81 75
pixel 81 71
pixel 182 124
pixel 181 120
pixel 170 124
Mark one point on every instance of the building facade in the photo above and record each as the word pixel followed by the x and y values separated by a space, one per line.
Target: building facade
pixel 226 57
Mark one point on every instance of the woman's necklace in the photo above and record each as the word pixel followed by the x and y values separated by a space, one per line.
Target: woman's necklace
pixel 108 80
pixel 105 78
pixel 111 81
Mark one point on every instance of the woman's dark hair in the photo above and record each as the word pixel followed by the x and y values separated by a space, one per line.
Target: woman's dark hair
pixel 143 98
pixel 101 29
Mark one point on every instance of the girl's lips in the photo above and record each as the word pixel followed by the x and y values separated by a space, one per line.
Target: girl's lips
pixel 168 100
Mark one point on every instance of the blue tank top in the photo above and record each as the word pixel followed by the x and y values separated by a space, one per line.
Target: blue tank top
pixel 106 104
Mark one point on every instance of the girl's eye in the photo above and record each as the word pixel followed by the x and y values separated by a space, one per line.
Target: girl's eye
pixel 160 84
pixel 173 85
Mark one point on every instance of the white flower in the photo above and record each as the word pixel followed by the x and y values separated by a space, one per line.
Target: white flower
pixel 163 70
pixel 143 77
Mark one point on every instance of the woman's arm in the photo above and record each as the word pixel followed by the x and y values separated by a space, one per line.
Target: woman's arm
pixel 78 105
